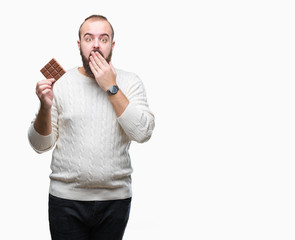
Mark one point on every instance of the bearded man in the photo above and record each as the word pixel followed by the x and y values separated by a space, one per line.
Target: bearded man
pixel 90 116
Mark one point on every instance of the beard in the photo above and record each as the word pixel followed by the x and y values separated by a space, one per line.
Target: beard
pixel 85 61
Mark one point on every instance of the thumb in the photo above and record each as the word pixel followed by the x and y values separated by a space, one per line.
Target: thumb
pixel 52 80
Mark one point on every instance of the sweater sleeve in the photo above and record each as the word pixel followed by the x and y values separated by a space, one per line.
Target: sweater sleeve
pixel 137 120
pixel 39 142
pixel 42 143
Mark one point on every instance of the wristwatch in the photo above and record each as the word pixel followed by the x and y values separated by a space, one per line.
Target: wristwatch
pixel 113 90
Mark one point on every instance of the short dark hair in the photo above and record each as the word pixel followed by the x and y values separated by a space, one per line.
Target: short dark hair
pixel 98 17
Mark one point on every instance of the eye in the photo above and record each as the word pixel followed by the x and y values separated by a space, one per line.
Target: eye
pixel 104 40
pixel 88 39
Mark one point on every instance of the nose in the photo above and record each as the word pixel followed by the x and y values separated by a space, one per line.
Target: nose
pixel 96 43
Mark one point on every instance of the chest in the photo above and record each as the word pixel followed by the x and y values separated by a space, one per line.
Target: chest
pixel 83 105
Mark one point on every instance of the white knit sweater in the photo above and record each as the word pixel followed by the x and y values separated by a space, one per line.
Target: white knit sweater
pixel 90 160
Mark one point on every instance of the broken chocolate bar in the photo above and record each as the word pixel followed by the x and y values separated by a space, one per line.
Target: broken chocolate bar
pixel 53 70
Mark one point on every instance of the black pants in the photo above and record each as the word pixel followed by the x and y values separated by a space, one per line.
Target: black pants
pixel 88 220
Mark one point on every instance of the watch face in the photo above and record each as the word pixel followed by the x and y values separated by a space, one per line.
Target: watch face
pixel 113 90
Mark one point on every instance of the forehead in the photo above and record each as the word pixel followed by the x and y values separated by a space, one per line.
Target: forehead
pixel 95 26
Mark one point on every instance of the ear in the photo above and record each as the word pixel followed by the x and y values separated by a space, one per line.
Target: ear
pixel 79 44
pixel 113 45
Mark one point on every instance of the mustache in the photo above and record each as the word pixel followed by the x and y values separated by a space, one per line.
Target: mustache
pixel 108 58
pixel 97 50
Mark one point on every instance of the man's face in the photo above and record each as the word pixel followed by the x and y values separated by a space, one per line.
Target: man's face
pixel 96 35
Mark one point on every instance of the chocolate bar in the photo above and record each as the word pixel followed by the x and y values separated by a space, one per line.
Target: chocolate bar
pixel 53 70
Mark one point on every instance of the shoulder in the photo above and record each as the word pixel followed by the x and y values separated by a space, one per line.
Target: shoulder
pixel 69 82
pixel 130 83
pixel 125 75
pixel 70 75
pixel 127 78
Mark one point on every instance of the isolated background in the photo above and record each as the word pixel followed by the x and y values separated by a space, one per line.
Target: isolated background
pixel 220 80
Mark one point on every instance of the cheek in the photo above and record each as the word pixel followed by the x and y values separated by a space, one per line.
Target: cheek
pixel 106 50
pixel 85 48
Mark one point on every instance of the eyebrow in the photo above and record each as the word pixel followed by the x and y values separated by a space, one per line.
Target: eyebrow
pixel 101 35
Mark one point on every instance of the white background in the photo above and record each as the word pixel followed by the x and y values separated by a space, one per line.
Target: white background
pixel 220 80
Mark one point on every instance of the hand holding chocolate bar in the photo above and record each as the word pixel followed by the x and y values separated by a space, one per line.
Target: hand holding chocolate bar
pixel 44 89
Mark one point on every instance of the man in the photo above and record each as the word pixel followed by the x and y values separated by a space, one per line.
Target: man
pixel 91 115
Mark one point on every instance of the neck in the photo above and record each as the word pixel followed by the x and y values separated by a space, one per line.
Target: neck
pixel 82 71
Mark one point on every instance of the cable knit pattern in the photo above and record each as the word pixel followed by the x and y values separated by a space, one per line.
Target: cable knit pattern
pixel 90 160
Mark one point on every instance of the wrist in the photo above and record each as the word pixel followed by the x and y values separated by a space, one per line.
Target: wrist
pixel 45 108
